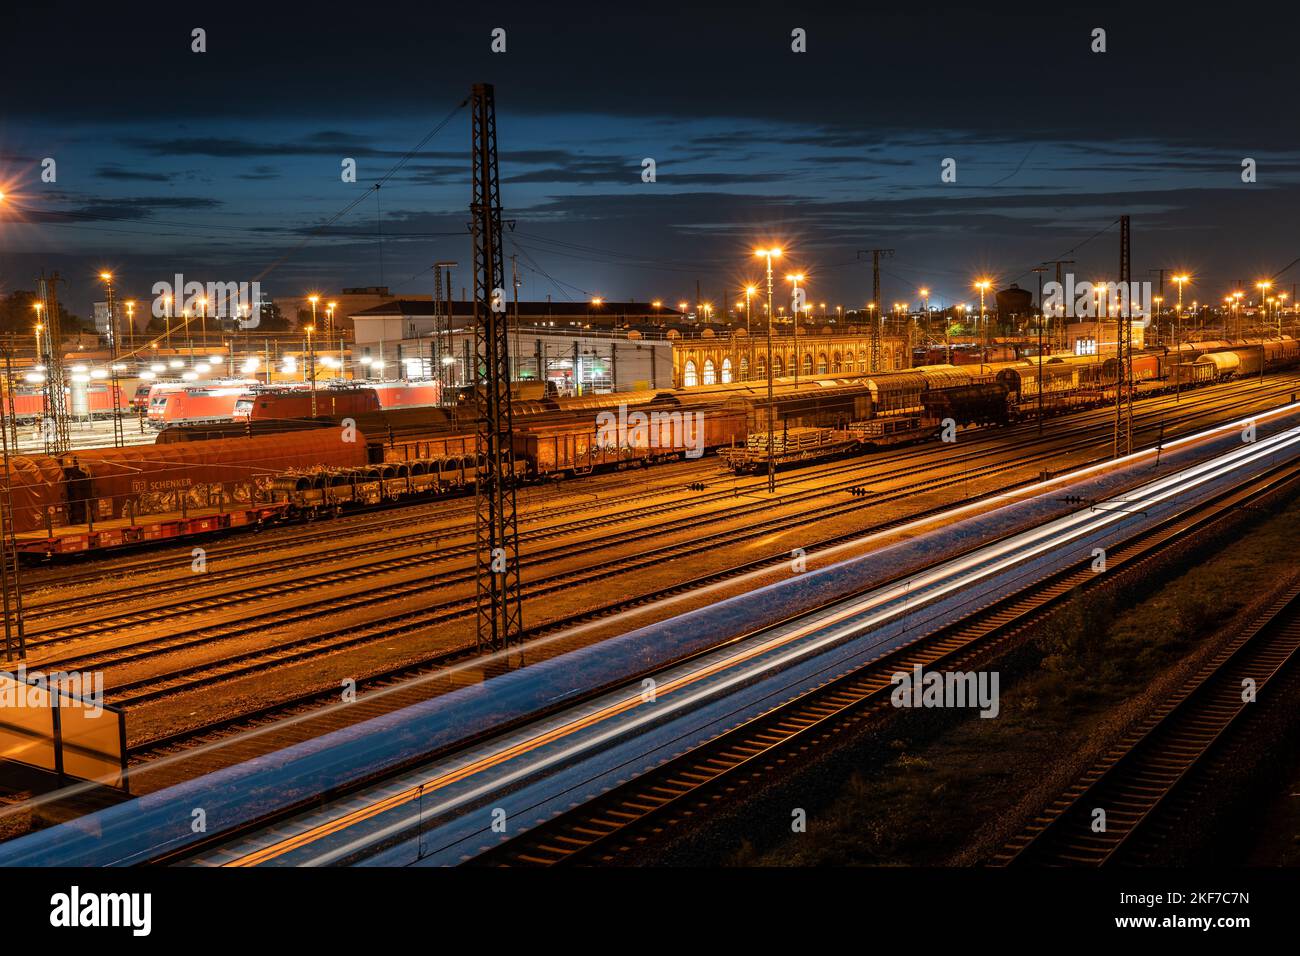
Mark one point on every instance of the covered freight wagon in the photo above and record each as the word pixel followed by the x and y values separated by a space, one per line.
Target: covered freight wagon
pixel 146 479
pixel 39 492
pixel 897 394
pixel 1225 364
pixel 982 403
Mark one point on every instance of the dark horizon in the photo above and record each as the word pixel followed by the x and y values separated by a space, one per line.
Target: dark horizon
pixel 221 165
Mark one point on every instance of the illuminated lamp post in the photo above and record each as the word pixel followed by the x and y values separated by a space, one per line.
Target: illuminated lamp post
pixel 984 285
pixel 311 366
pixel 769 255
pixel 795 279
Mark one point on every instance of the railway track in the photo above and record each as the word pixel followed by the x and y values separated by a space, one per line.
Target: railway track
pixel 154 687
pixel 289 584
pixel 332 529
pixel 419 516
pixel 197 676
pixel 1143 784
pixel 439 661
pixel 617 824
pixel 429 578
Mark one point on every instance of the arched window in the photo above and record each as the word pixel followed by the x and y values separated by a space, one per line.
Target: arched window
pixel 848 363
pixel 807 364
pixel 744 368
pixel 760 366
pixel 709 376
pixel 837 363
pixel 778 367
pixel 691 377
pixel 821 363
pixel 726 371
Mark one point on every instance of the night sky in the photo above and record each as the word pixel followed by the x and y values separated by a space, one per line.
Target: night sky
pixel 221 165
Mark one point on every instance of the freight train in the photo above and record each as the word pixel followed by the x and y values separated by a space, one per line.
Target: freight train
pixel 212 478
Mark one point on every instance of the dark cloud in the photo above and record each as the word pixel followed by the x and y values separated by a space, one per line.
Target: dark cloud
pixel 117 172
pixel 262 172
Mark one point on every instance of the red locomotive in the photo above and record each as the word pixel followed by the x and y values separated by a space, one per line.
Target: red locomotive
pixel 406 394
pixel 287 403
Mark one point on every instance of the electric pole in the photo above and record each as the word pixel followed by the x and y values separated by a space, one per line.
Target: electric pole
pixel 1060 284
pixel 1041 318
pixel 875 297
pixel 54 423
pixel 442 320
pixel 1160 291
pixel 1124 349
pixel 500 598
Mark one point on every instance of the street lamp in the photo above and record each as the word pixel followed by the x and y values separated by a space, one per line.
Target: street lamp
pixel 749 292
pixel 795 278
pixel 203 325
pixel 130 323
pixel 1263 286
pixel 313 299
pixel 769 255
pixel 107 277
pixel 984 285
pixel 311 366
pixel 1181 279
pixel 39 329
pixel 329 328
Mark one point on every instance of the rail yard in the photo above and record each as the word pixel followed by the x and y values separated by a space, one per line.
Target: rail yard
pixel 578 461
pixel 237 648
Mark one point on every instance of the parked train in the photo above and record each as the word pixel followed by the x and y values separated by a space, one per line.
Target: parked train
pixel 94 400
pixel 232 474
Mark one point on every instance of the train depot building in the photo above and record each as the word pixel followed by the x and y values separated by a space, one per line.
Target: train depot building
pixel 615 347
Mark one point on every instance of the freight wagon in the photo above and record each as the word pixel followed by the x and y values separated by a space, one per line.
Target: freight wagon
pixel 90 500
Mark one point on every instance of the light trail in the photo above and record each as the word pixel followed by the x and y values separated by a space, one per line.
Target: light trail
pixel 736 668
